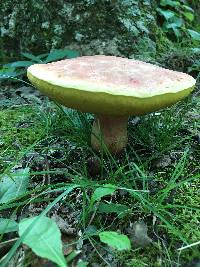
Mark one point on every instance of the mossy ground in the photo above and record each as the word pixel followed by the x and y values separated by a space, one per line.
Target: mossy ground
pixel 20 129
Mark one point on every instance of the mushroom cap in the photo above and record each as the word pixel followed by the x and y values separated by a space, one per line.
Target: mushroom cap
pixel 110 85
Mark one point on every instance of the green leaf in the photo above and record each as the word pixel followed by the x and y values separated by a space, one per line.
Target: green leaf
pixel 115 240
pixel 14 185
pixel 176 31
pixel 44 239
pixel 60 54
pixel 175 25
pixel 72 54
pixel 169 3
pixel 19 64
pixel 167 14
pixel 189 16
pixel 32 57
pixel 100 192
pixel 7 73
pixel 176 22
pixel 42 55
pixel 188 8
pixel 194 35
pixel 8 225
pixel 68 188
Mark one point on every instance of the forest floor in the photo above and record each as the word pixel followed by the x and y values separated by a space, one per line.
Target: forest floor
pixel 156 179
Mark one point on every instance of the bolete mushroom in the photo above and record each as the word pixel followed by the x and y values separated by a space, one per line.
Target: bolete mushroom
pixel 113 88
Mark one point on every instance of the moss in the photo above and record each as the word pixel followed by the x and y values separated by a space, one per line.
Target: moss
pixel 188 196
pixel 19 128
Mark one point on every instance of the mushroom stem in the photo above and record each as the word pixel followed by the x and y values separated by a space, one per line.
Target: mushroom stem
pixel 111 131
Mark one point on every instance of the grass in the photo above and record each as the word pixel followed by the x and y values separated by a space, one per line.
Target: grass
pixel 54 143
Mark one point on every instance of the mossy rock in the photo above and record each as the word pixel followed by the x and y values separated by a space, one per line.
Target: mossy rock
pixel 39 26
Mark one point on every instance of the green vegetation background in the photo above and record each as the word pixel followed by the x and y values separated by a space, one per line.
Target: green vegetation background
pixel 53 142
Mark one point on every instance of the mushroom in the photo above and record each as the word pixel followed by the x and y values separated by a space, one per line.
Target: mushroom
pixel 113 88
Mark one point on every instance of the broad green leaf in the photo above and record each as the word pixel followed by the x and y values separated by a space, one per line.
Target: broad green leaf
pixel 176 22
pixel 175 26
pixel 8 225
pixel 115 240
pixel 12 251
pixel 44 239
pixel 168 14
pixel 60 54
pixel 19 64
pixel 32 57
pixel 100 192
pixel 7 73
pixel 169 3
pixel 14 185
pixel 176 31
pixel 72 54
pixel 4 76
pixel 195 35
pixel 189 16
pixel 42 55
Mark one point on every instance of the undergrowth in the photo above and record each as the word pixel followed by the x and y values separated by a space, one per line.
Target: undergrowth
pixel 103 193
pixel 138 209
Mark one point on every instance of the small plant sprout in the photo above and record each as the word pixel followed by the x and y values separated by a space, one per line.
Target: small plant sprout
pixel 112 88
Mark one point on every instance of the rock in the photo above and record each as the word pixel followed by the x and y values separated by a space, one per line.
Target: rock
pixel 63 225
pixel 138 234
pixel 163 162
pixel 91 26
